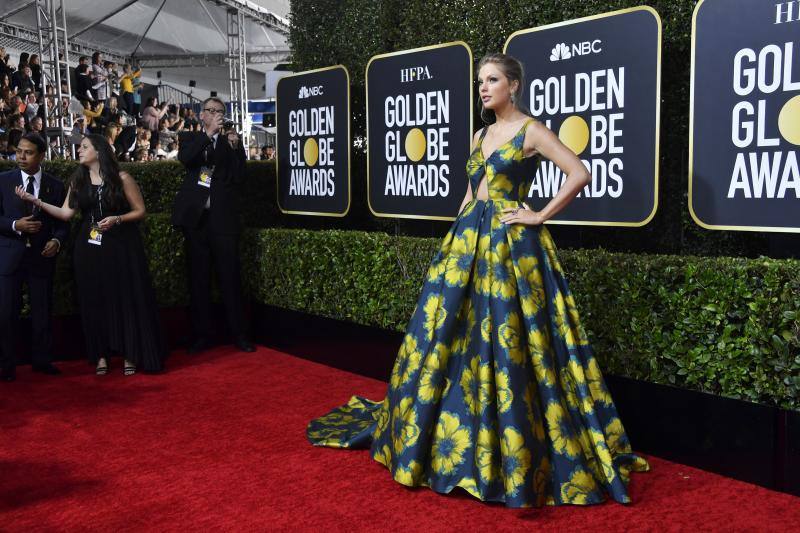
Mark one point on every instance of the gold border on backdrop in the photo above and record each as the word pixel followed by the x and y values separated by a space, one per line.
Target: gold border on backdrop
pixel 658 107
pixel 349 147
pixel 469 129
pixel 775 229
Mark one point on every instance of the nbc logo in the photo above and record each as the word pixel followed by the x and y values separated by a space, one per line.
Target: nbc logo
pixel 563 51
pixel 559 52
pixel 307 92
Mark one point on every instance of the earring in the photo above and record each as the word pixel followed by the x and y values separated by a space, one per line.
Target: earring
pixel 513 99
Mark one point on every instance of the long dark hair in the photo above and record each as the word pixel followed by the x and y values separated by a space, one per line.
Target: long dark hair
pixel 513 71
pixel 113 194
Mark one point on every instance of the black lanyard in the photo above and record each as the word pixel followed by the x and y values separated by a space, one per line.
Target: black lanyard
pixel 99 201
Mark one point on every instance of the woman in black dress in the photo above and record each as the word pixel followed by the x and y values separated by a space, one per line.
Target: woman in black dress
pixel 117 302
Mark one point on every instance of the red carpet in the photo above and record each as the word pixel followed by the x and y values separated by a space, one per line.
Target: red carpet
pixel 218 443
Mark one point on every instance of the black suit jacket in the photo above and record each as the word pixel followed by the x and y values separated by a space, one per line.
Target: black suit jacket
pixel 12 245
pixel 195 152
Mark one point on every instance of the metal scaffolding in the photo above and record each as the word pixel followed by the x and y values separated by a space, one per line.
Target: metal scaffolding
pixel 26 39
pixel 237 69
pixel 259 14
pixel 254 57
pixel 54 53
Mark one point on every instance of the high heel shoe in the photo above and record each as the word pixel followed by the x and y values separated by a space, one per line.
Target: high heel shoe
pixel 102 367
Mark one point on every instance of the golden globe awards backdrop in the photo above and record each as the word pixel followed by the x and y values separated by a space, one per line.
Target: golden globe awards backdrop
pixel 744 147
pixel 595 82
pixel 419 129
pixel 313 146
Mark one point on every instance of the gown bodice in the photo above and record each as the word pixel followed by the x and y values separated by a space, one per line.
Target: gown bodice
pixel 508 172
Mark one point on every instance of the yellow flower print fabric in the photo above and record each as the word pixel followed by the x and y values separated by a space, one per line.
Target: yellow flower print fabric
pixel 495 388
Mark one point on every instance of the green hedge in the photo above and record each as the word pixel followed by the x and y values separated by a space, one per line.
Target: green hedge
pixel 719 325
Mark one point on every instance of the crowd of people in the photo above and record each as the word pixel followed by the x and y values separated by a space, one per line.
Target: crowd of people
pixel 106 99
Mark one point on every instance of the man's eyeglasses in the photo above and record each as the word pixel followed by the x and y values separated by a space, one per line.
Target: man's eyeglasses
pixel 214 111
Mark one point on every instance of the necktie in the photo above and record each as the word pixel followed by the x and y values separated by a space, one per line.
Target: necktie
pixel 210 153
pixel 30 190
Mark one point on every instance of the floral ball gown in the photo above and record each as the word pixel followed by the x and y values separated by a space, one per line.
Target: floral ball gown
pixel 495 388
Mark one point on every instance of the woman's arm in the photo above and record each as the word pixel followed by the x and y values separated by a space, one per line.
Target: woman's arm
pixel 539 139
pixel 134 197
pixel 65 212
pixel 467 197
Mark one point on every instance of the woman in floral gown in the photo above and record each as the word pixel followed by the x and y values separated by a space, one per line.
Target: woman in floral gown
pixel 495 388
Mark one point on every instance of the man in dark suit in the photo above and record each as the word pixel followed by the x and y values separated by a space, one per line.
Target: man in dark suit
pixel 29 243
pixel 206 210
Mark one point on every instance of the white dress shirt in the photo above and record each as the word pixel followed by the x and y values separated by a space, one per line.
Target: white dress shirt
pixel 37 184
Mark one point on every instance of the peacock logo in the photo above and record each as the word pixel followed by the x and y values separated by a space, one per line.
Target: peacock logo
pixel 308 92
pixel 560 52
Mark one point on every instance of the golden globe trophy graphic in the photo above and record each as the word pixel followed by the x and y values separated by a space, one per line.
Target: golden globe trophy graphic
pixel 313 146
pixel 574 133
pixel 415 144
pixel 419 128
pixel 601 96
pixel 311 152
pixel 744 160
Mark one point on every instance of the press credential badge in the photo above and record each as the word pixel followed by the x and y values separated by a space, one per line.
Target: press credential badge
pixel 205 176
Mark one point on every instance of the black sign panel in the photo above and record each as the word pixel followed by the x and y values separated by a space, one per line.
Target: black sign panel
pixel 313 119
pixel 419 129
pixel 744 149
pixel 595 82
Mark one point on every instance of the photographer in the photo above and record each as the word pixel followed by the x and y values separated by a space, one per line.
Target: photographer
pixel 206 210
